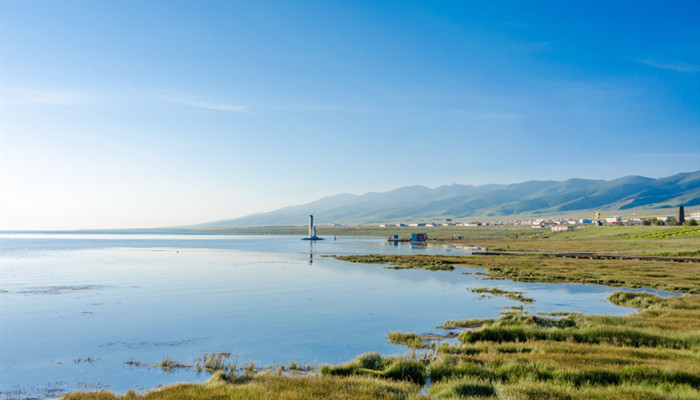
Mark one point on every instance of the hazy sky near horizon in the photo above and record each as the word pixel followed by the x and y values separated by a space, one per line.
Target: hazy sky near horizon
pixel 140 113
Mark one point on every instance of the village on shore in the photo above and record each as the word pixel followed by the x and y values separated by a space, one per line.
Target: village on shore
pixel 554 224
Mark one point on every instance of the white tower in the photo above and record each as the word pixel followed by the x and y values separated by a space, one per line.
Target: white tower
pixel 312 230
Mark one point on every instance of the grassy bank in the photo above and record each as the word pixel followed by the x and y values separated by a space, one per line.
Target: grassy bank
pixel 270 387
pixel 517 296
pixel 651 354
pixel 665 275
pixel 623 240
pixel 429 263
pixel 680 277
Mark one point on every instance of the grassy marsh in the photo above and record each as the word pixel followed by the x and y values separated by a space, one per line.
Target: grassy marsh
pixel 681 277
pixel 665 275
pixel 411 340
pixel 433 264
pixel 268 387
pixel 168 364
pixel 513 295
pixel 650 354
pixel 373 364
pixel 465 323
pixel 653 353
pixel 221 361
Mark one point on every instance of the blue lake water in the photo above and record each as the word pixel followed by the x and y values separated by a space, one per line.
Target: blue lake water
pixel 267 298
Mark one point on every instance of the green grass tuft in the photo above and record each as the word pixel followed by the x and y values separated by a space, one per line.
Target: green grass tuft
pixel 170 364
pixel 466 323
pixel 513 295
pixel 373 364
pixel 216 362
pixel 411 340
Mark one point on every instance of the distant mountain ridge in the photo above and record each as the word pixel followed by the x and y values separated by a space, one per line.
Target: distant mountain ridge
pixel 461 202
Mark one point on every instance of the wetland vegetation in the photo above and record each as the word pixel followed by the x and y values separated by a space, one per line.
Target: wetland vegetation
pixel 680 277
pixel 672 276
pixel 513 295
pixel 271 387
pixel 411 340
pixel 651 353
pixel 410 262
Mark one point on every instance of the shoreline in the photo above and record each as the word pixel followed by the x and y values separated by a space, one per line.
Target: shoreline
pixel 515 340
pixel 518 338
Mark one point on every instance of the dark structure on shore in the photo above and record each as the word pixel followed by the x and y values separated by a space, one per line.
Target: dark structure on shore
pixel 681 214
pixel 415 237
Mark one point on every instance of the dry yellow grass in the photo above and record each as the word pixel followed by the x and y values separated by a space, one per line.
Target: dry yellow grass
pixel 271 388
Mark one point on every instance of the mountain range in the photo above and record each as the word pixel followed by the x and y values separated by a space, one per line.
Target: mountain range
pixel 625 195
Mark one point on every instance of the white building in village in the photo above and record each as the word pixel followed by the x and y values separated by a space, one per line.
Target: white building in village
pixel 563 228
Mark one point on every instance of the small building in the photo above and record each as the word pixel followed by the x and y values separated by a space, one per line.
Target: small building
pixel 695 216
pixel 470 224
pixel 585 221
pixel 562 228
pixel 539 223
pixel 613 220
pixel 419 237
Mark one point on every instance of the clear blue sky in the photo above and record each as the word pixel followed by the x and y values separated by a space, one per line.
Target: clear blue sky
pixel 154 113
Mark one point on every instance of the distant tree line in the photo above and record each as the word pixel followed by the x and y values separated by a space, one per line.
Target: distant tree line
pixel 670 221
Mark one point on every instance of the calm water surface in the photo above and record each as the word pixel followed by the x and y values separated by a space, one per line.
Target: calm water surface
pixel 269 299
